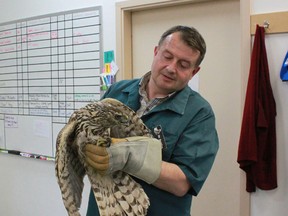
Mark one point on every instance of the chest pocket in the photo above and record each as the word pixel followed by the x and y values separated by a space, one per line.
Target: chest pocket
pixel 171 141
pixel 171 130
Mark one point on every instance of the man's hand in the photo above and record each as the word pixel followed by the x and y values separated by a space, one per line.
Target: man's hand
pixel 97 157
pixel 138 156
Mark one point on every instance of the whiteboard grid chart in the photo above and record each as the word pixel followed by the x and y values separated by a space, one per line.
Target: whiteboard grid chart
pixel 49 67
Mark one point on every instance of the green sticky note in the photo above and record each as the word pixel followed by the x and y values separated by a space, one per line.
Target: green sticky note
pixel 108 56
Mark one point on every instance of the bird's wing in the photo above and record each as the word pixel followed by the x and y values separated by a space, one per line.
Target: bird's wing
pixel 130 195
pixel 69 170
pixel 103 190
pixel 118 194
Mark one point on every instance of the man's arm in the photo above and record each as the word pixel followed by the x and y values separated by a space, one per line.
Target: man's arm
pixel 172 179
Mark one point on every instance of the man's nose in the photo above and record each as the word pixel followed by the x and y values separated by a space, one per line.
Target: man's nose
pixel 172 67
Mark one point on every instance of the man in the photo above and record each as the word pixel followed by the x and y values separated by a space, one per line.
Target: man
pixel 162 98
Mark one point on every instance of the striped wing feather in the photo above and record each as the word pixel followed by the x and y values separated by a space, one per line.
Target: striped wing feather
pixel 116 194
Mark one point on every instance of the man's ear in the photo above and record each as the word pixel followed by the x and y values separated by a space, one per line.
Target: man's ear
pixel 155 50
pixel 195 71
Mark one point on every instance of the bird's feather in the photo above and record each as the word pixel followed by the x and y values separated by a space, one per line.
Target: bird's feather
pixel 115 194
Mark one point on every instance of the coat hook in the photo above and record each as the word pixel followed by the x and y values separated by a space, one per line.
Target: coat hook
pixel 266 24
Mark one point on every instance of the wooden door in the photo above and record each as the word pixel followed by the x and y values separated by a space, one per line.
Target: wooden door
pixel 219 82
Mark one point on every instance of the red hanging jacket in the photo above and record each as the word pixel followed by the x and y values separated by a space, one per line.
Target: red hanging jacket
pixel 257 144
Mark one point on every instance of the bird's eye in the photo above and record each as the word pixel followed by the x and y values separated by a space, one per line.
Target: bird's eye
pixel 121 118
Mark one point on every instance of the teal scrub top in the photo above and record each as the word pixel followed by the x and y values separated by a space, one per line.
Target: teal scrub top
pixel 188 124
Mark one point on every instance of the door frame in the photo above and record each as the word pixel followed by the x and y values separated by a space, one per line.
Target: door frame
pixel 124 10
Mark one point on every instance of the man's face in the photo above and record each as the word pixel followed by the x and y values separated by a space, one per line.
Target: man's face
pixel 173 65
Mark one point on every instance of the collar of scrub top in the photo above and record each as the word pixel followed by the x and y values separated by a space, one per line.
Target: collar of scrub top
pixel 284 69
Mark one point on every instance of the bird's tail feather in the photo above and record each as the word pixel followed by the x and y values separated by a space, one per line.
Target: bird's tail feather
pixel 130 194
pixel 118 195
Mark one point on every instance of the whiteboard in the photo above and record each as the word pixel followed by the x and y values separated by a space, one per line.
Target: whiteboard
pixel 49 66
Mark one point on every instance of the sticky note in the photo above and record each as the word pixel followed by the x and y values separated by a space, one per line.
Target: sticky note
pixel 108 56
pixel 107 68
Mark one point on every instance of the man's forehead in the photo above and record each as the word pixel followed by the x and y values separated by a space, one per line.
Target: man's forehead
pixel 174 42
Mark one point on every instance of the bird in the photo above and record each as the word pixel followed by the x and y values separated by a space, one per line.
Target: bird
pixel 116 194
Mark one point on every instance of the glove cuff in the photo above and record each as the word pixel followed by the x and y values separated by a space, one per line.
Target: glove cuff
pixel 151 168
pixel 139 156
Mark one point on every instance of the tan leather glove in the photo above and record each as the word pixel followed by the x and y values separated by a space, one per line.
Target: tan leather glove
pixel 138 156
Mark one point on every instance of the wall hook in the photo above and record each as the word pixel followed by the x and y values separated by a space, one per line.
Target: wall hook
pixel 266 24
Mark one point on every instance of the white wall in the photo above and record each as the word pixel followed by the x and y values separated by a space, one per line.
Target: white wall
pixel 28 186
pixel 274 202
